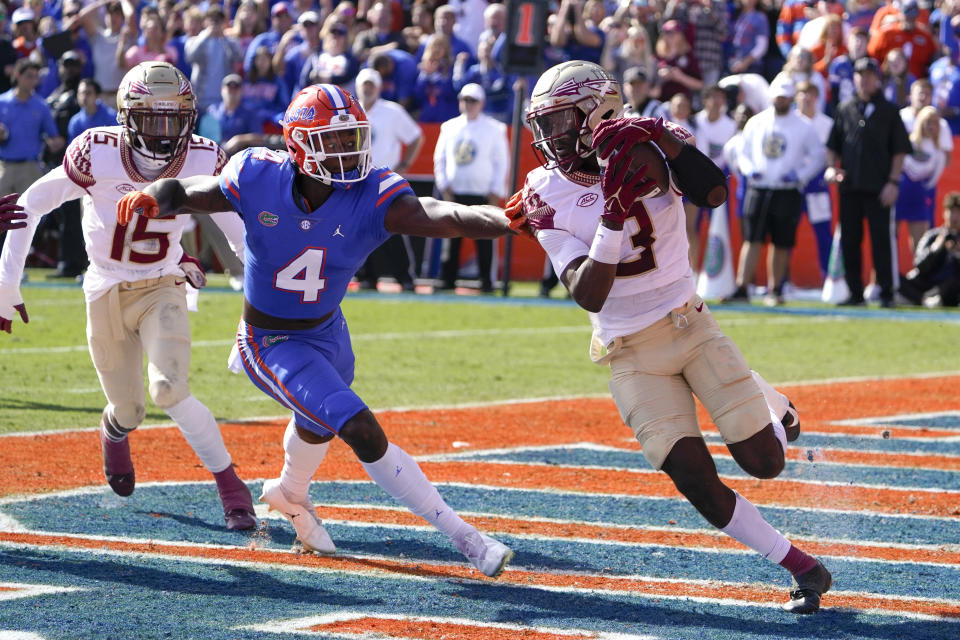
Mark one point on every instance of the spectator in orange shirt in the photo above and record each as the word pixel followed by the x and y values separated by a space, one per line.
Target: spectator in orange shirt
pixel 829 45
pixel 890 11
pixel 795 14
pixel 915 40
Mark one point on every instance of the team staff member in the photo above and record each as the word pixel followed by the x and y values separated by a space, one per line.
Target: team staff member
pixel 865 154
pixel 779 154
pixel 25 124
pixel 470 165
pixel 395 140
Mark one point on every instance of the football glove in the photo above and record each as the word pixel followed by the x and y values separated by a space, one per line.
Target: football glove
pixel 136 203
pixel 622 190
pixel 11 214
pixel 618 135
pixel 194 272
pixel 518 218
pixel 10 301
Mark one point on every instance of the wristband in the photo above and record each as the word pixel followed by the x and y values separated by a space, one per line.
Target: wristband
pixel 895 183
pixel 606 245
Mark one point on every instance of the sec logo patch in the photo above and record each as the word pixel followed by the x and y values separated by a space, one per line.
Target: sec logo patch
pixel 587 199
pixel 268 219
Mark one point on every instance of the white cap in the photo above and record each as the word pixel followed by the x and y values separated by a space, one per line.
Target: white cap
pixel 309 16
pixel 473 90
pixel 782 89
pixel 369 75
pixel 23 14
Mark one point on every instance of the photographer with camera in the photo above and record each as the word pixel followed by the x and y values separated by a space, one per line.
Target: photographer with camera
pixel 935 278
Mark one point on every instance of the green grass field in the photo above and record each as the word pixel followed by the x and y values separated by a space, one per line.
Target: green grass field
pixel 423 350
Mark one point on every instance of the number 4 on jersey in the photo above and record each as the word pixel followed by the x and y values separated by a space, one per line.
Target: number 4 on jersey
pixel 303 274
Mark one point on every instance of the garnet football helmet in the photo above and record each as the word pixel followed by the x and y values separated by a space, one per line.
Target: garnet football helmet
pixel 157 108
pixel 568 102
pixel 325 124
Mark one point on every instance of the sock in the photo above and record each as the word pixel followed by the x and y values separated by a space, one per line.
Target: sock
pixel 399 475
pixel 111 428
pixel 797 562
pixel 748 527
pixel 777 403
pixel 300 462
pixel 201 432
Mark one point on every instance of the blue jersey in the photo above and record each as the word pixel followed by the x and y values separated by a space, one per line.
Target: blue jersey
pixel 297 264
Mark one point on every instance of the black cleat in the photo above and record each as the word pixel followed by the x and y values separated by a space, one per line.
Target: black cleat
pixel 805 598
pixel 791 422
pixel 738 296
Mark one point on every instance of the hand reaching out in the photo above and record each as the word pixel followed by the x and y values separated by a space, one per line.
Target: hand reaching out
pixel 136 203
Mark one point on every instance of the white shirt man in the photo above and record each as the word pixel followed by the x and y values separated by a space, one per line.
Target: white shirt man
pixel 395 137
pixel 470 164
pixel 395 140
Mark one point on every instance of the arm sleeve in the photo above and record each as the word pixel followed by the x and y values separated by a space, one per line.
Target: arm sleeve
pixel 561 247
pixel 697 176
pixel 232 226
pixel 43 196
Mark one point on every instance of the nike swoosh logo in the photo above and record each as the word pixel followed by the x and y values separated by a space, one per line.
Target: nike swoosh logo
pixel 179 283
pixel 699 307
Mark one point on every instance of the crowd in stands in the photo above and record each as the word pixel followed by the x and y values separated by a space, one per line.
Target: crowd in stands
pixel 247 59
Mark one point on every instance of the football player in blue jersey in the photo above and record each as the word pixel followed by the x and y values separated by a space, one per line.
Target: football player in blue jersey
pixel 312 216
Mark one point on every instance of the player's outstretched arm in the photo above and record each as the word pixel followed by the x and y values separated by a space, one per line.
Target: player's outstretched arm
pixel 173 196
pixel 434 218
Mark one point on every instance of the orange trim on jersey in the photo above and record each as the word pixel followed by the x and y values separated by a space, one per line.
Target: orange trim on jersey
pixel 230 186
pixel 393 190
pixel 290 397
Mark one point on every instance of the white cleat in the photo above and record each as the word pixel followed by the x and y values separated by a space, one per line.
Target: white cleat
pixel 485 553
pixel 302 515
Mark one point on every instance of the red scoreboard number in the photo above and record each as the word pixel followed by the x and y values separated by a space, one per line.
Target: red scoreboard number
pixel 526 33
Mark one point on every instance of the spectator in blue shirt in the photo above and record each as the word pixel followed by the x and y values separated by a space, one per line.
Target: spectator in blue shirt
pixel 93 113
pixel 26 123
pixel 280 22
pixel 444 20
pixel 229 117
pixel 399 72
pixel 290 56
pixel 945 76
pixel 751 37
pixel 578 29
pixel 264 92
pixel 435 97
pixel 497 85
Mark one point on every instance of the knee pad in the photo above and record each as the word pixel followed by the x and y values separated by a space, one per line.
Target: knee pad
pixel 166 394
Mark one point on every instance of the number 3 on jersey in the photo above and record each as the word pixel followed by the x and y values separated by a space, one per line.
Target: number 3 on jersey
pixel 303 275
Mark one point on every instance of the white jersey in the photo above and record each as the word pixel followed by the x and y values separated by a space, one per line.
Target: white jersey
pixel 99 167
pixel 712 136
pixel 653 276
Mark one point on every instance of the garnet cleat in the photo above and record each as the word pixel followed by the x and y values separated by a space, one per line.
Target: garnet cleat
pixel 302 515
pixel 485 553
pixel 805 597
pixel 236 499
pixel 117 465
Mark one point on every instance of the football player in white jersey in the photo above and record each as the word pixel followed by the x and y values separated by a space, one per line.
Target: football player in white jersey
pixel 11 214
pixel 135 285
pixel 617 238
